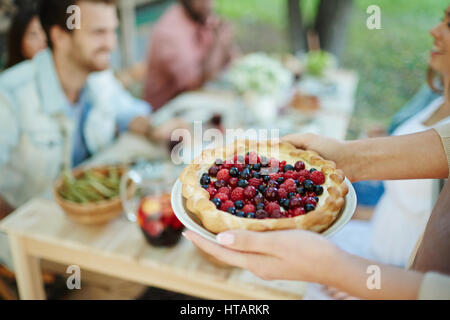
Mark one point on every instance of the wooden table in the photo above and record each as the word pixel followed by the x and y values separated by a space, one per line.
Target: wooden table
pixel 40 229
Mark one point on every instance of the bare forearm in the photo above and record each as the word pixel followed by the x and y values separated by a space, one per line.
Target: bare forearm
pixel 5 208
pixel 355 276
pixel 416 156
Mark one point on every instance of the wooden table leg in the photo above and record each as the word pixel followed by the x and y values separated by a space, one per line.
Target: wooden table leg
pixel 27 270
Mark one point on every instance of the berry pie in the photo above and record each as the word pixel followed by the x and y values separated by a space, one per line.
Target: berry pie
pixel 263 186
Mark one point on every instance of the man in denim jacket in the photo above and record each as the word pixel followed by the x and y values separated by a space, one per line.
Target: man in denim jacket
pixel 65 105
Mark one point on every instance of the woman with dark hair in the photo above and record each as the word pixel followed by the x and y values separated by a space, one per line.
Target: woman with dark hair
pixel 26 37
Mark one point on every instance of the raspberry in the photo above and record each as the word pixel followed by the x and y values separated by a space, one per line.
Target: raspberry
pixel 253 158
pixel 225 190
pixel 311 200
pixel 272 206
pixel 276 214
pixel 289 187
pixel 289 175
pixel 296 175
pixel 317 177
pixel 303 175
pixel 249 208
pixel 298 212
pixel 249 192
pixel 282 193
pixel 237 194
pixel 223 174
pixel 228 165
pixel 239 166
pixel 226 205
pixel 254 182
pixel 290 182
pixel 212 192
pixel 222 197
pixel 233 182
pixel 275 176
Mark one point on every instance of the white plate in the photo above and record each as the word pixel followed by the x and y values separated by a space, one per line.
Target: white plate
pixel 191 222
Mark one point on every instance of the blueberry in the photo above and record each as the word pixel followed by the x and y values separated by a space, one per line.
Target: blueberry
pixel 266 178
pixel 297 183
pixel 239 204
pixel 205 179
pixel 234 172
pixel 232 210
pixel 312 170
pixel 256 167
pixel 217 202
pixel 317 199
pixel 256 175
pixel 245 174
pixel 288 167
pixel 291 194
pixel 260 206
pixel 301 191
pixel 280 180
pixel 240 214
pixel 309 207
pixel 285 203
pixel 250 215
pixel 262 188
pixel 242 183
pixel 205 186
pixel 319 190
pixel 309 185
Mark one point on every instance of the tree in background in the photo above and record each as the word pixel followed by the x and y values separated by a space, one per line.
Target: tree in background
pixel 330 25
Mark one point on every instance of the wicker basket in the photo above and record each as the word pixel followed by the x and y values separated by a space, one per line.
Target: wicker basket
pixel 93 213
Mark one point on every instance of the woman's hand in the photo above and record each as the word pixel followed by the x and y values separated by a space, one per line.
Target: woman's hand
pixel 282 255
pixel 330 149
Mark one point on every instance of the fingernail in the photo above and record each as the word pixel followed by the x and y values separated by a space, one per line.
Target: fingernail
pixel 226 238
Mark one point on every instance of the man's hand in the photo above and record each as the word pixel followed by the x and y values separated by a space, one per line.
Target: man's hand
pixel 282 255
pixel 328 148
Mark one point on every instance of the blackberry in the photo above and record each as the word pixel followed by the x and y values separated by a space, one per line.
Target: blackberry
pixel 261 214
pixel 285 203
pixel 297 183
pixel 309 185
pixel 234 172
pixel 239 204
pixel 266 178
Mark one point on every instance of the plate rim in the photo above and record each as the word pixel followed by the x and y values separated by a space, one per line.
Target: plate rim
pixel 346 213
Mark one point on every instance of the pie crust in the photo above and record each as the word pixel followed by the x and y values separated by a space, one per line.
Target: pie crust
pixel 216 221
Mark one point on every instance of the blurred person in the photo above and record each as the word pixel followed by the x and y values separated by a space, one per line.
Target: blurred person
pixel 65 105
pixel 190 45
pixel 403 210
pixel 26 37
